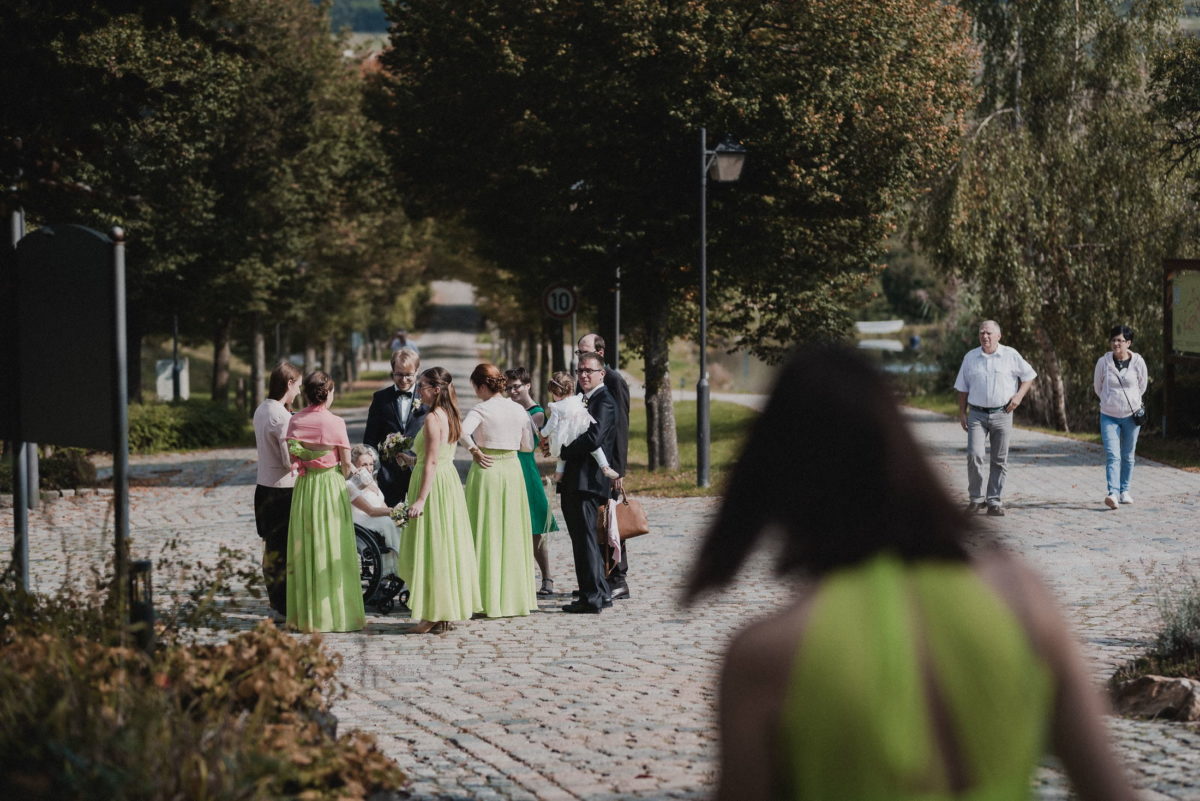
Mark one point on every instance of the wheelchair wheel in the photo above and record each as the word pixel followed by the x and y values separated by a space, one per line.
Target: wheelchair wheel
pixel 369 561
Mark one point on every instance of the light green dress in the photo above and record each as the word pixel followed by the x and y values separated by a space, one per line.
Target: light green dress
pixel 499 509
pixel 324 589
pixel 437 556
pixel 856 721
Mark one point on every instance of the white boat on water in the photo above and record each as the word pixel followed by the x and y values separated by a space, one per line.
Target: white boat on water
pixel 879 326
pixel 893 345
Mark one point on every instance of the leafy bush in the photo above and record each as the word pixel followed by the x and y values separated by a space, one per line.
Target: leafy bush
pixel 1175 650
pixel 184 426
pixel 66 468
pixel 83 716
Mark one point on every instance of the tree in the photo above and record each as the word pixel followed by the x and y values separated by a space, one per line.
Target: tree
pixel 1061 207
pixel 567 135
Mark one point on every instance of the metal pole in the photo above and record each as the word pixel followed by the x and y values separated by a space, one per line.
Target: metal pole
pixel 120 417
pixel 702 430
pixel 574 341
pixel 176 393
pixel 616 345
pixel 32 479
pixel 20 450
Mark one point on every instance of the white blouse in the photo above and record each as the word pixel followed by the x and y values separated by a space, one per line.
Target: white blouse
pixel 499 423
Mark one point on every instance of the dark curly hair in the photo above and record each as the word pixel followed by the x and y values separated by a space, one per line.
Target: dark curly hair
pixel 831 469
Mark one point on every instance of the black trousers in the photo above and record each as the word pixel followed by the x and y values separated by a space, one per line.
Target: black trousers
pixel 579 511
pixel 272 510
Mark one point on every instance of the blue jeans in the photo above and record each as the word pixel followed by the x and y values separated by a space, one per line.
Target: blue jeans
pixel 1119 436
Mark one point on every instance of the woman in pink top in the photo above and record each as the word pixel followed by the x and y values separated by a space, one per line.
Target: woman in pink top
pixel 323 587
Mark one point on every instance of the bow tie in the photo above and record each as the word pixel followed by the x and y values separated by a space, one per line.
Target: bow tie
pixel 402 394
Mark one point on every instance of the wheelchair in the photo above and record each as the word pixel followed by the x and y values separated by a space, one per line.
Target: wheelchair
pixel 379 591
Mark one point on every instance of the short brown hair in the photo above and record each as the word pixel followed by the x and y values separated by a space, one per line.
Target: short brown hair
pixel 283 374
pixel 406 355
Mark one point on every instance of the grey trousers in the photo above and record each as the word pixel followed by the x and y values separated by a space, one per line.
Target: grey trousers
pixel 982 427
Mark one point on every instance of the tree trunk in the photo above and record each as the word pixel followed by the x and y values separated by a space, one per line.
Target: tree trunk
pixel 258 364
pixel 310 358
pixel 662 442
pixel 327 358
pixel 556 346
pixel 220 374
pixel 1052 375
pixel 134 334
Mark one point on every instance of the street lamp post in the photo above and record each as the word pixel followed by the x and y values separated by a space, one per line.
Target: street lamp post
pixel 724 164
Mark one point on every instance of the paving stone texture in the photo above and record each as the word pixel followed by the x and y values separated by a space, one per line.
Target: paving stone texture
pixel 620 705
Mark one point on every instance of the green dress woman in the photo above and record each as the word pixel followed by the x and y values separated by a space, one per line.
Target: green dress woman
pixel 540 515
pixel 324 592
pixel 437 554
pixel 493 432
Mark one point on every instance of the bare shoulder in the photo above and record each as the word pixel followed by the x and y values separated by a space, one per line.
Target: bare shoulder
pixel 760 654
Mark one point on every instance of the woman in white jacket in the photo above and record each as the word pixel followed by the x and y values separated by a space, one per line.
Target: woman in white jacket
pixel 1120 381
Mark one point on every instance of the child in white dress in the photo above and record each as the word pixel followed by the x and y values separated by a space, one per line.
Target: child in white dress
pixel 569 419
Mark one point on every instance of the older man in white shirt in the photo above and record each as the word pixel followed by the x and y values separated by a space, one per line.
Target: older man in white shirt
pixel 991 383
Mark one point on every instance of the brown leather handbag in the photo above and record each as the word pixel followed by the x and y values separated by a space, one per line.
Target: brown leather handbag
pixel 631 519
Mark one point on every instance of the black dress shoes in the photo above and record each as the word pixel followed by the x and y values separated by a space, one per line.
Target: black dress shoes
pixel 620 592
pixel 580 608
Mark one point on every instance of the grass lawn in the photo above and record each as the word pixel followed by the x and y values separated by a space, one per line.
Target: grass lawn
pixel 728 423
pixel 1182 453
pixel 359 393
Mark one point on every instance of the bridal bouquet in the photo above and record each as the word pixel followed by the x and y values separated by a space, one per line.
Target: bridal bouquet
pixel 393 445
pixel 399 514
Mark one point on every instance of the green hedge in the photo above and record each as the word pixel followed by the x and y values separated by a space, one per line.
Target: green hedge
pixel 188 425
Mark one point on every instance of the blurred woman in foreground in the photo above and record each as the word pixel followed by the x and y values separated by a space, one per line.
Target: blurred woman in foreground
pixel 909 668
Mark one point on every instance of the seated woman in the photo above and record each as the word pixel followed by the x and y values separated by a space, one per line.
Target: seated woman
pixel 367 506
pixel 910 666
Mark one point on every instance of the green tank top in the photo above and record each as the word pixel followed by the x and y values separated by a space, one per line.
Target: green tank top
pixel 856 720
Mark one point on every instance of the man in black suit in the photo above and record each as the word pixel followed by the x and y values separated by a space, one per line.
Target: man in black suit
pixel 619 457
pixel 583 486
pixel 395 409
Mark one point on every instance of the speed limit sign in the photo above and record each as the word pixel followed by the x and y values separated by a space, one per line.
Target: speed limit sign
pixel 559 301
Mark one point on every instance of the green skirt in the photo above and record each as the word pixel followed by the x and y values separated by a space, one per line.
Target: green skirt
pixel 437 556
pixel 540 516
pixel 324 592
pixel 499 510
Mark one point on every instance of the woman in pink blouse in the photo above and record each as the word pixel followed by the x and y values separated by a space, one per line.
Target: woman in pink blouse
pixel 324 592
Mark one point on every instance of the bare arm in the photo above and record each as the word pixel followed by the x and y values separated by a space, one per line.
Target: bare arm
pixel 436 431
pixel 753 684
pixel 344 458
pixel 1015 401
pixel 1079 736
pixel 962 410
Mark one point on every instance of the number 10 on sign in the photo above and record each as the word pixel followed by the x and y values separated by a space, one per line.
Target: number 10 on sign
pixel 559 301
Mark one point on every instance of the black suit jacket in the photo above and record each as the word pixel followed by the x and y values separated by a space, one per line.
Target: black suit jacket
pixel 581 473
pixel 383 418
pixel 615 383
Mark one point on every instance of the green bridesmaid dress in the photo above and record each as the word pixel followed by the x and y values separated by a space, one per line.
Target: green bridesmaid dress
pixel 437 556
pixel 499 509
pixel 856 721
pixel 324 591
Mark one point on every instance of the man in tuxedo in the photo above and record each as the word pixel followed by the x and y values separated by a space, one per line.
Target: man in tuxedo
pixel 583 486
pixel 618 457
pixel 393 409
